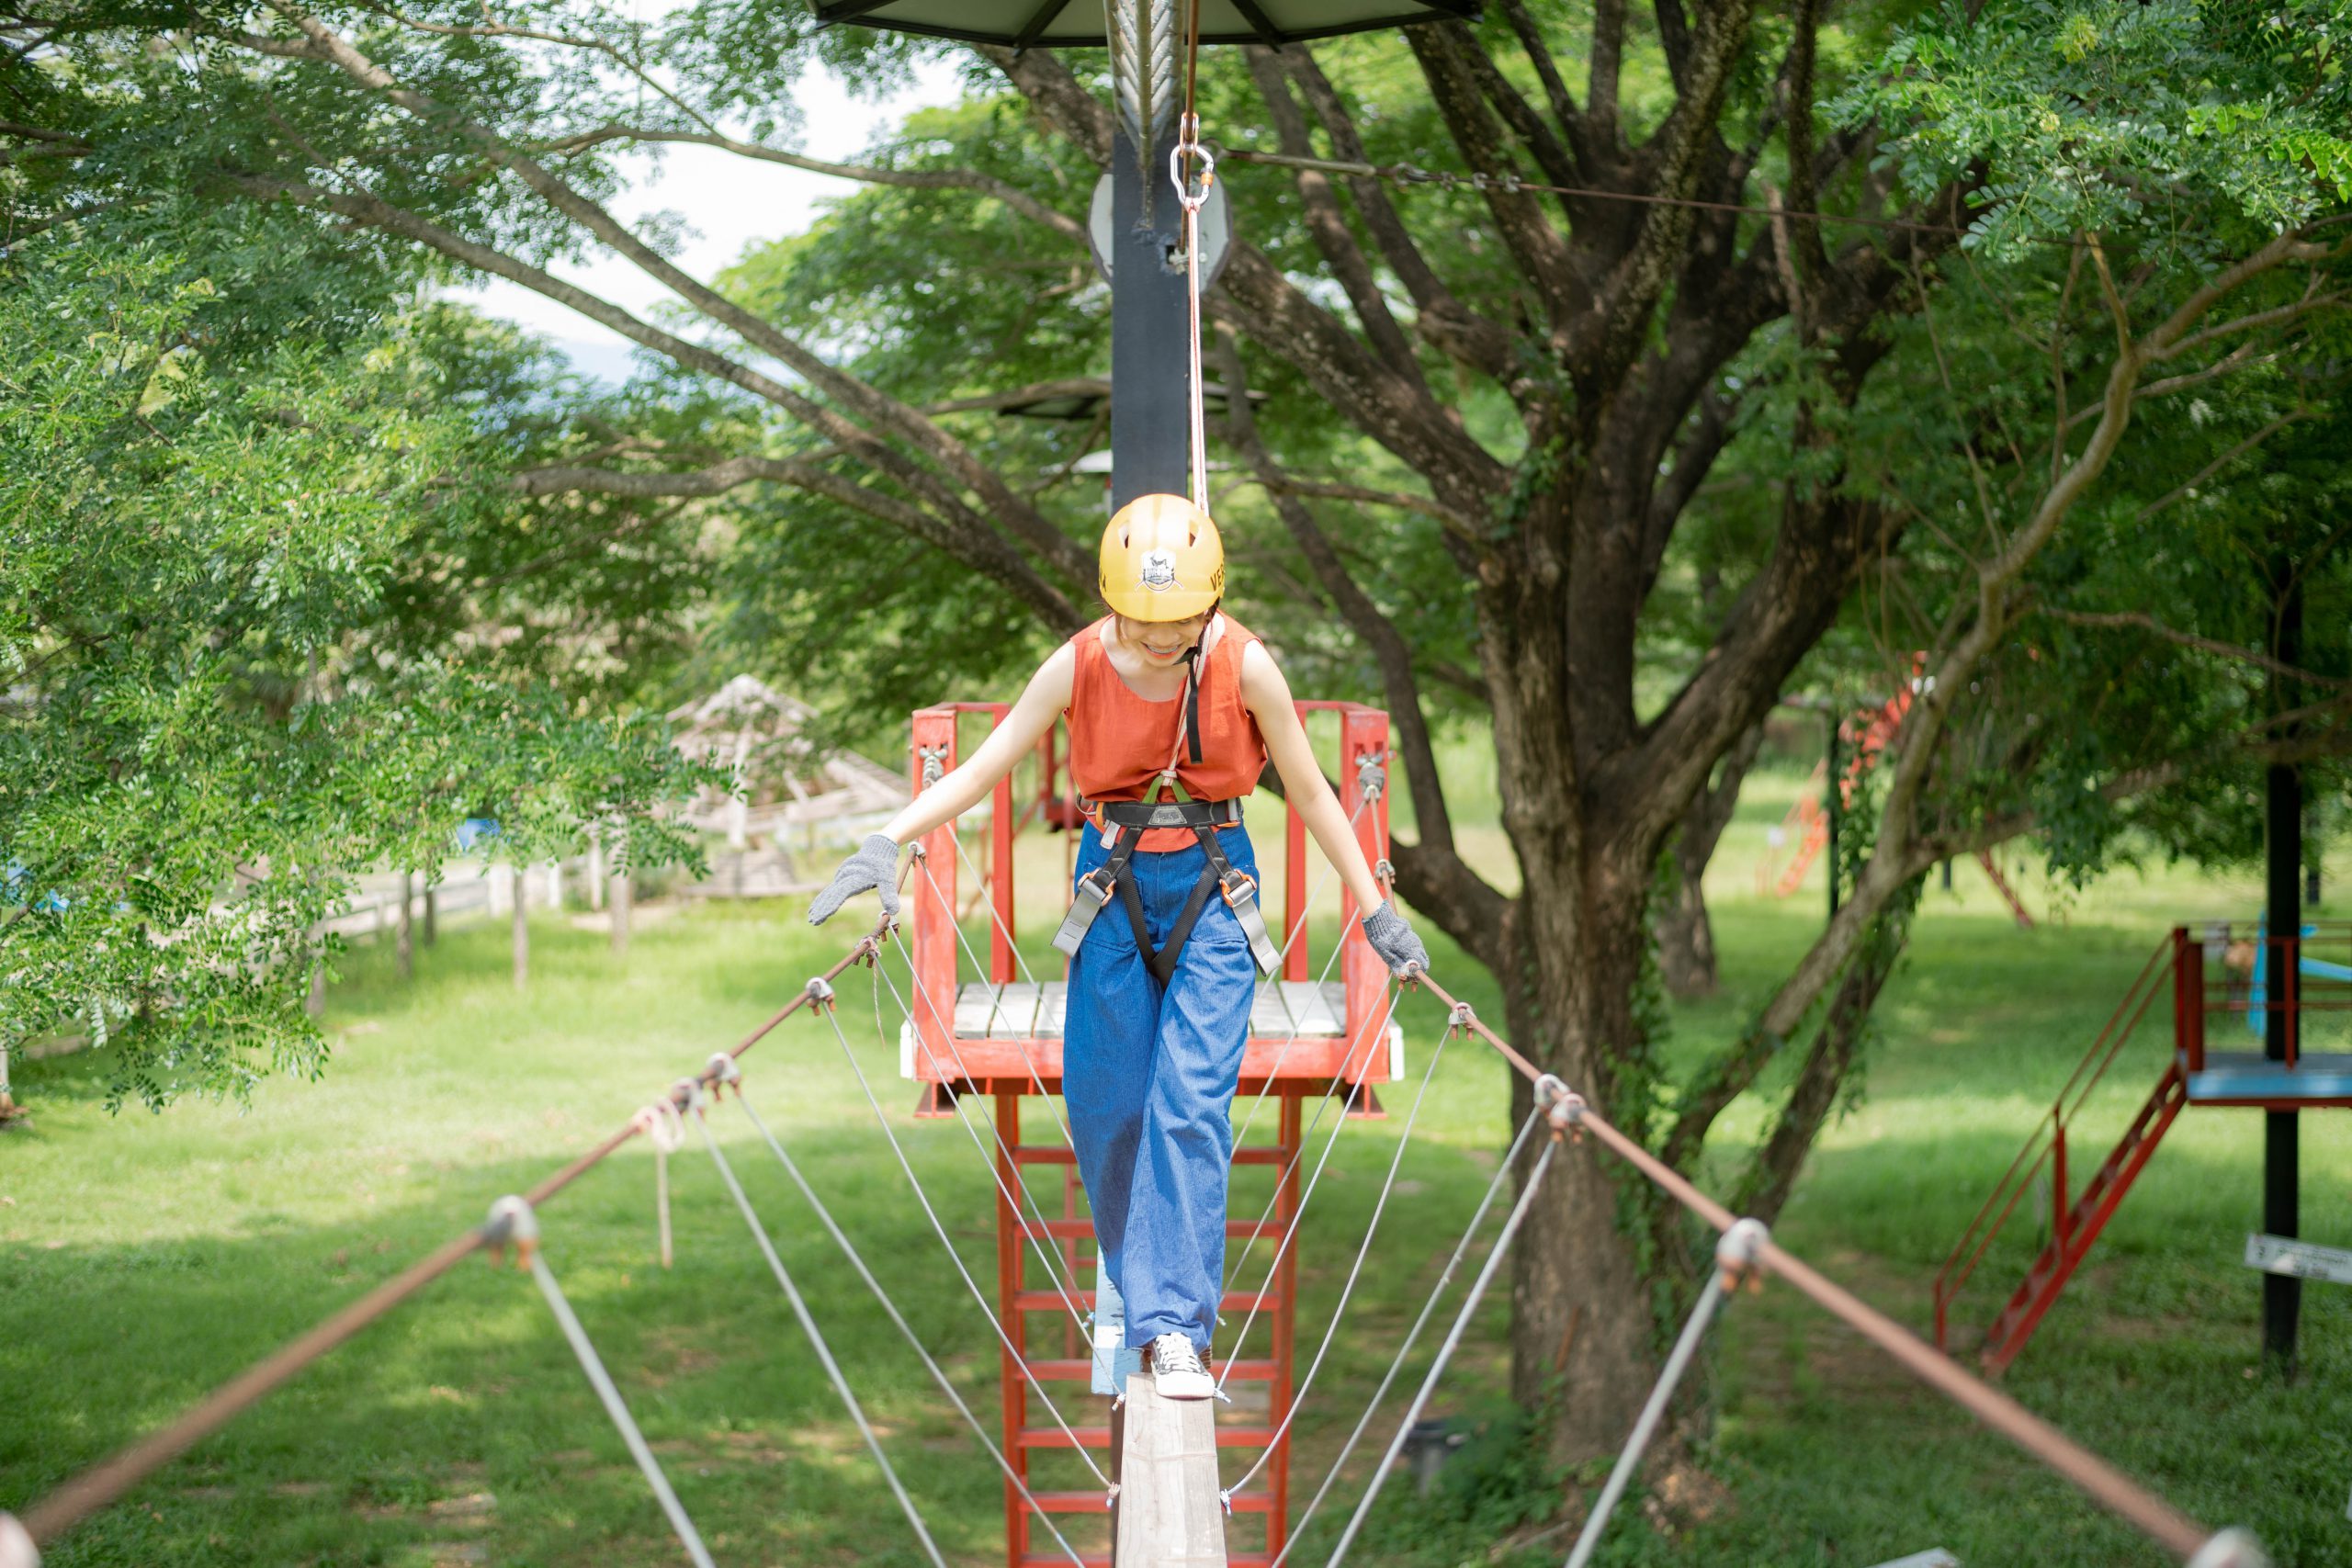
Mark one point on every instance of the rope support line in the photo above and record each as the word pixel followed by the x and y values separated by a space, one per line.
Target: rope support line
pixel 939 1229
pixel 857 1262
pixel 1347 1287
pixel 2094 1477
pixel 1298 1217
pixel 1477 1294
pixel 1735 1256
pixel 104 1484
pixel 1412 1335
pixel 809 1324
pixel 664 1129
pixel 514 1223
pixel 1006 1175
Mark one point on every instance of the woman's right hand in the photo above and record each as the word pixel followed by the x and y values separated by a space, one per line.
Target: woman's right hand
pixel 875 866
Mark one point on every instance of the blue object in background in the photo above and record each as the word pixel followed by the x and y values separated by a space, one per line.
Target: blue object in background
pixel 473 830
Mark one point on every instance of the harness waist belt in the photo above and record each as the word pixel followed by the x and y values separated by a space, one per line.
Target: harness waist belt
pixel 1218 875
pixel 1194 813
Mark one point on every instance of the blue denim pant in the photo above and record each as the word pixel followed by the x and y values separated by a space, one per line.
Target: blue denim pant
pixel 1148 1074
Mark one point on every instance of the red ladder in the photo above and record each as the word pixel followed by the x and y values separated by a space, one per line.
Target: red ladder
pixel 2077 1220
pixel 1018 1296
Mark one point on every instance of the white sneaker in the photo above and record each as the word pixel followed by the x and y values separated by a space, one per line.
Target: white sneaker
pixel 1177 1371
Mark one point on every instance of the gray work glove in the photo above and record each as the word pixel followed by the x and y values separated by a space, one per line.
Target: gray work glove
pixel 875 865
pixel 1394 941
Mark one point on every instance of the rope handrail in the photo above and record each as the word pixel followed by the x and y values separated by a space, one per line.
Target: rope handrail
pixel 2101 1481
pixel 104 1482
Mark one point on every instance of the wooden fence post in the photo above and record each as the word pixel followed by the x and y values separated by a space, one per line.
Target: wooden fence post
pixel 404 929
pixel 522 913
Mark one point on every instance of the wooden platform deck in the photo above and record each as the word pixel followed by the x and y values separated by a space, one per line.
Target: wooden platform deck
pixel 1297 1029
pixel 2248 1078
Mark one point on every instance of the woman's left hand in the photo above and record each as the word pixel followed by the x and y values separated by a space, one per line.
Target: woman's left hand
pixel 1394 942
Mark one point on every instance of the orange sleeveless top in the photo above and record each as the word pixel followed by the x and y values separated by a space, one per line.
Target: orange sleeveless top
pixel 1120 741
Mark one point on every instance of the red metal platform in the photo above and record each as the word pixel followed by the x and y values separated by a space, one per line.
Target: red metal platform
pixel 2216 979
pixel 999 1035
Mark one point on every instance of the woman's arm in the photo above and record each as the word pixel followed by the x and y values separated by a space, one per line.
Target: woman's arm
pixel 1041 703
pixel 1267 696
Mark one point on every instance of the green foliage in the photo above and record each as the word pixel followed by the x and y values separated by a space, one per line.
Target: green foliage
pixel 2192 121
pixel 199 742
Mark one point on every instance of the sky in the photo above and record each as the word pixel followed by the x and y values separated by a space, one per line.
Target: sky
pixel 729 203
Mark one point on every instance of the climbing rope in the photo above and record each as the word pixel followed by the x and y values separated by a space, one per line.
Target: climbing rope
pixel 890 1308
pixel 1735 1256
pixel 1412 1335
pixel 808 1323
pixel 513 1223
pixel 1187 159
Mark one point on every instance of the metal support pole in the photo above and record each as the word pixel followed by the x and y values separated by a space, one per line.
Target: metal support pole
pixel 1151 401
pixel 2283 834
pixel 2282 1293
pixel 1831 808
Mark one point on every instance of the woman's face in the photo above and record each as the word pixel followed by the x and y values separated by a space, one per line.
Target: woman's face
pixel 1162 643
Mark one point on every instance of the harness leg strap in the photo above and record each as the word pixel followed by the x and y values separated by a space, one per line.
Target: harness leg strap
pixel 1241 897
pixel 1093 891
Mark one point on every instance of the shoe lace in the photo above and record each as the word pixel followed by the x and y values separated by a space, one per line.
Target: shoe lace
pixel 1175 1353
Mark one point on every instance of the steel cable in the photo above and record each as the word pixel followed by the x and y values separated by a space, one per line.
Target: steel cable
pixel 1446 1351
pixel 1347 1286
pixel 513 1220
pixel 1290 1233
pixel 816 1339
pixel 996 1136
pixel 940 1229
pixel 1413 1335
pixel 1734 1257
pixel 825 1218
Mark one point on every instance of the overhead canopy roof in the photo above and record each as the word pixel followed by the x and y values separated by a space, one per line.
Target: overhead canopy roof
pixel 1061 24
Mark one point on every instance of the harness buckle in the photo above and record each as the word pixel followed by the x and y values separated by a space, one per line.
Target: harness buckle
pixel 1248 886
pixel 1093 890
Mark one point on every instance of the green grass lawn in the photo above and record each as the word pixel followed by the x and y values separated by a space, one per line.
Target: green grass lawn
pixel 144 1259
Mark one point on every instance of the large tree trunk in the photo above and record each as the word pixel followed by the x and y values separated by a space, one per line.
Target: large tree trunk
pixel 1583 1347
pixel 1686 937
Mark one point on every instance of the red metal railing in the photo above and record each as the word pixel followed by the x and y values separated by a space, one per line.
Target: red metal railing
pixel 2046 1146
pixel 1011 1069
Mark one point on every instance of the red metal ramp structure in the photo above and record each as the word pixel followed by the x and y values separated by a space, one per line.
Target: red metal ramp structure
pixel 2214 981
pixel 998 1034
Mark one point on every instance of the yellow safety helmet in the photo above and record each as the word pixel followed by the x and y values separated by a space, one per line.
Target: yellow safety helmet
pixel 1162 560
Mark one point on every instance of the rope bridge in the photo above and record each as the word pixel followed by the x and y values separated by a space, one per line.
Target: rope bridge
pixel 1745 1252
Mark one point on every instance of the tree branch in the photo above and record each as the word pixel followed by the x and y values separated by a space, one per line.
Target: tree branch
pixel 1440 883
pixel 1032 527
pixel 1325 221
pixel 987 184
pixel 1445 322
pixel 967 534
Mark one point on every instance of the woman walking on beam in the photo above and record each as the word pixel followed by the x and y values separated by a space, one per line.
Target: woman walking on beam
pixel 1174 709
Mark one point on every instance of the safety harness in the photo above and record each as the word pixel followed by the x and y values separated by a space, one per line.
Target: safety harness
pixel 1123 824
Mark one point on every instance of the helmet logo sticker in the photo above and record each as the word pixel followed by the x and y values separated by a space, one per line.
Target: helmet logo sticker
pixel 1158 570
